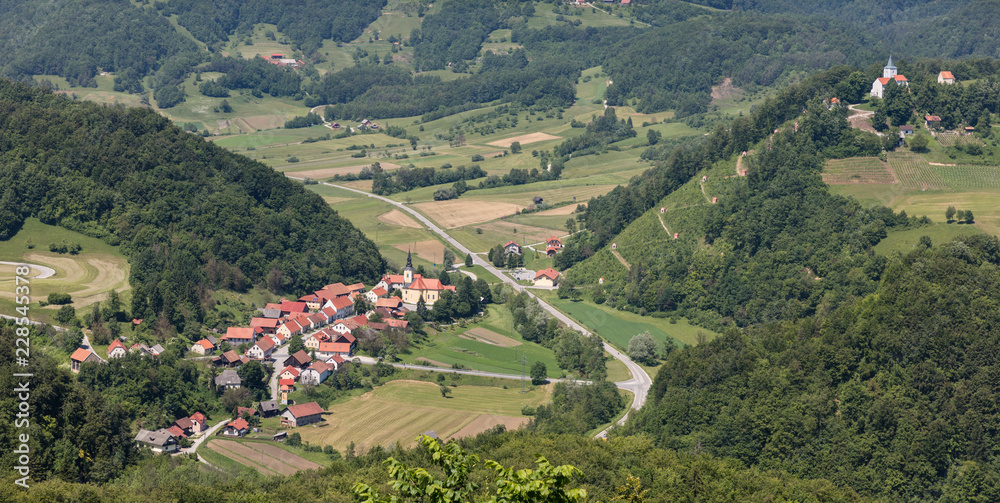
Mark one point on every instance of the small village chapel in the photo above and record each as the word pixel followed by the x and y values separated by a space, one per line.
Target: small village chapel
pixel 888 74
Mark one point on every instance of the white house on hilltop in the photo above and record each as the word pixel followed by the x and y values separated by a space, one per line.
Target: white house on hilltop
pixel 888 74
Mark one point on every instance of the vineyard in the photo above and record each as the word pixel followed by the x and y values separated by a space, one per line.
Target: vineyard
pixel 914 172
pixel 857 170
pixel 953 139
pixel 965 176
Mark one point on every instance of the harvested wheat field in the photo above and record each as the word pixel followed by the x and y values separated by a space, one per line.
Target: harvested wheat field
pixel 398 218
pixel 322 174
pixel 87 277
pixel 462 212
pixel 519 232
pixel 267 459
pixel 431 250
pixel 400 410
pixel 433 363
pixel 486 421
pixel 524 139
pixel 490 337
pixel 265 121
pixel 569 209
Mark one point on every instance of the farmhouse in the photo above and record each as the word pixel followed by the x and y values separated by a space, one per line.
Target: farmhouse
pixel 237 428
pixel 238 335
pixel 116 349
pixel 400 324
pixel 888 74
pixel 83 355
pixel 229 379
pixel 268 325
pixel 932 121
pixel 946 78
pixel 269 408
pixel 512 247
pixel 289 372
pixel 299 415
pixel 300 360
pixel 262 349
pixel 185 425
pixel 342 346
pixel 227 359
pixel 548 277
pixel 203 347
pixel 373 295
pixel 316 373
pixel 158 441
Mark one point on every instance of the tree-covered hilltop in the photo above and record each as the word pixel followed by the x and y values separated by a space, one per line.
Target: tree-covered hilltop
pixel 190 216
pixel 893 395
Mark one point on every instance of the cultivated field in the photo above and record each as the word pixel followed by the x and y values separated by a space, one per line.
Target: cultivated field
pixel 400 410
pixel 914 172
pixel 397 217
pixel 569 209
pixel 430 250
pixel 968 176
pixel 953 139
pixel 490 337
pixel 265 458
pixel 461 212
pixel 524 139
pixel 857 170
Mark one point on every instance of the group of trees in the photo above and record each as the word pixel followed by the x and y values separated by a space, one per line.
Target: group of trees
pixel 961 215
pixel 189 216
pixel 256 74
pixel 410 177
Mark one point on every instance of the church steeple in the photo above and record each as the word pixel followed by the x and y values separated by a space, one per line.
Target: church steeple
pixel 408 270
pixel 889 70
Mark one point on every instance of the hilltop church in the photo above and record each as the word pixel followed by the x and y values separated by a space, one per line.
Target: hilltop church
pixel 888 74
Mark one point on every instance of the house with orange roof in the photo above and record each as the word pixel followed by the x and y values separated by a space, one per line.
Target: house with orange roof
pixel 337 289
pixel 116 349
pixel 946 78
pixel 316 373
pixel 203 347
pixel 289 328
pixel 312 340
pixel 344 306
pixel 289 372
pixel 547 277
pixel 268 325
pixel 373 295
pixel 238 335
pixel 303 414
pixel 888 75
pixel 261 349
pixel 199 422
pixel 341 347
pixel 400 324
pixel 511 247
pixel 82 355
pixel 415 286
pixel 237 428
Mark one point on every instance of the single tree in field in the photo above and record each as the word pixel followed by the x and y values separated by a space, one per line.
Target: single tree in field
pixel 652 137
pixel 642 348
pixel 445 391
pixel 968 217
pixel 468 260
pixel 918 143
pixel 515 148
pixel 538 373
pixel 949 213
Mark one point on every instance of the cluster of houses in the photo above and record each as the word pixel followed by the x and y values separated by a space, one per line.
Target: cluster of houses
pixel 281 60
pixel 115 350
pixel 552 246
pixel 167 439
pixel 890 74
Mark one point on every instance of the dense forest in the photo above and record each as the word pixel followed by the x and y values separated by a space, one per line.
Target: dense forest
pixel 189 216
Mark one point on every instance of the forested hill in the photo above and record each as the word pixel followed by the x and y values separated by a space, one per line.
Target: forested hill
pixel 190 216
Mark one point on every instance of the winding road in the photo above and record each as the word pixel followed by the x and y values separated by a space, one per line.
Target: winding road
pixel 640 382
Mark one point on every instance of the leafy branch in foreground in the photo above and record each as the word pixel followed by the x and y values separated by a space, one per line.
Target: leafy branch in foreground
pixel 546 483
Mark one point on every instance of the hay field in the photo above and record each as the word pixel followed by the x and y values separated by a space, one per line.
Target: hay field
pixel 461 212
pixel 490 337
pixel 398 218
pixel 267 459
pixel 569 209
pixel 524 139
pixel 400 410
pixel 430 250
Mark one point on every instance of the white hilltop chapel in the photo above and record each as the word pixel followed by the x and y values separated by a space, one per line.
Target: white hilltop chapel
pixel 888 74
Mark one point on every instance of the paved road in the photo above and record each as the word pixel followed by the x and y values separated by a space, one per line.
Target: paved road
pixel 278 357
pixel 198 441
pixel 43 272
pixel 367 360
pixel 639 384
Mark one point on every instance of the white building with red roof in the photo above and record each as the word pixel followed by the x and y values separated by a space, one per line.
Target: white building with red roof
pixel 203 347
pixel 547 277
pixel 237 428
pixel 303 414
pixel 946 78
pixel 116 349
pixel 82 355
pixel 262 349
pixel 888 75
pixel 238 335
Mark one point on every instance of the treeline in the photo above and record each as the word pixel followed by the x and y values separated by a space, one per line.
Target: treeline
pixel 189 216
pixel 307 120
pixel 306 23
pixel 76 39
pixel 381 91
pixel 605 466
pixel 601 132
pixel 409 177
pixel 255 74
pixel 890 395
pixel 578 408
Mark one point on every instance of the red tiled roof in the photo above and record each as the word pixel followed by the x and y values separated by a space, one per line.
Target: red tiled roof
pixel 301 357
pixel 397 323
pixel 884 80
pixel 263 322
pixel 117 343
pixel 552 249
pixel 239 424
pixel 321 367
pixel 293 370
pixel 932 118
pixel 272 305
pixel 547 273
pixel 239 333
pixel 947 75
pixel 341 303
pixel 81 354
pixel 391 302
pixel 422 283
pixel 510 243
pixel 360 319
pixel 265 343
pixel 357 287
pixel 136 321
pixel 900 78
pixel 334 347
pixel 205 344
pixel 393 279
pixel 177 432
pixel 286 382
pixel 305 409
pixel 294 307
pixel 337 359
pixel 551 239
pixel 198 416
pixel 338 289
pixel 379 291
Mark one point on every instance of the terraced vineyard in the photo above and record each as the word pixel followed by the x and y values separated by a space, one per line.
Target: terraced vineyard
pixel 966 176
pixel 857 170
pixel 914 172
pixel 952 139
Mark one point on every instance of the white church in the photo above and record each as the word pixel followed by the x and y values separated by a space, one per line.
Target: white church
pixel 888 74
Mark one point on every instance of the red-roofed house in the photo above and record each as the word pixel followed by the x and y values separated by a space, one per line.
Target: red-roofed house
pixel 335 361
pixel 547 277
pixel 83 355
pixel 553 242
pixel 200 422
pixel 375 294
pixel 511 247
pixel 341 347
pixel 932 121
pixel 289 328
pixel 203 347
pixel 343 305
pixel 403 324
pixel 116 349
pixel 313 301
pixel 238 335
pixel 278 339
pixel 391 303
pixel 262 349
pixel 316 373
pixel 337 289
pixel 293 307
pixel 888 74
pixel 299 415
pixel 237 428
pixel 268 325
pixel 289 372
pixel 946 78
pixel 176 432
